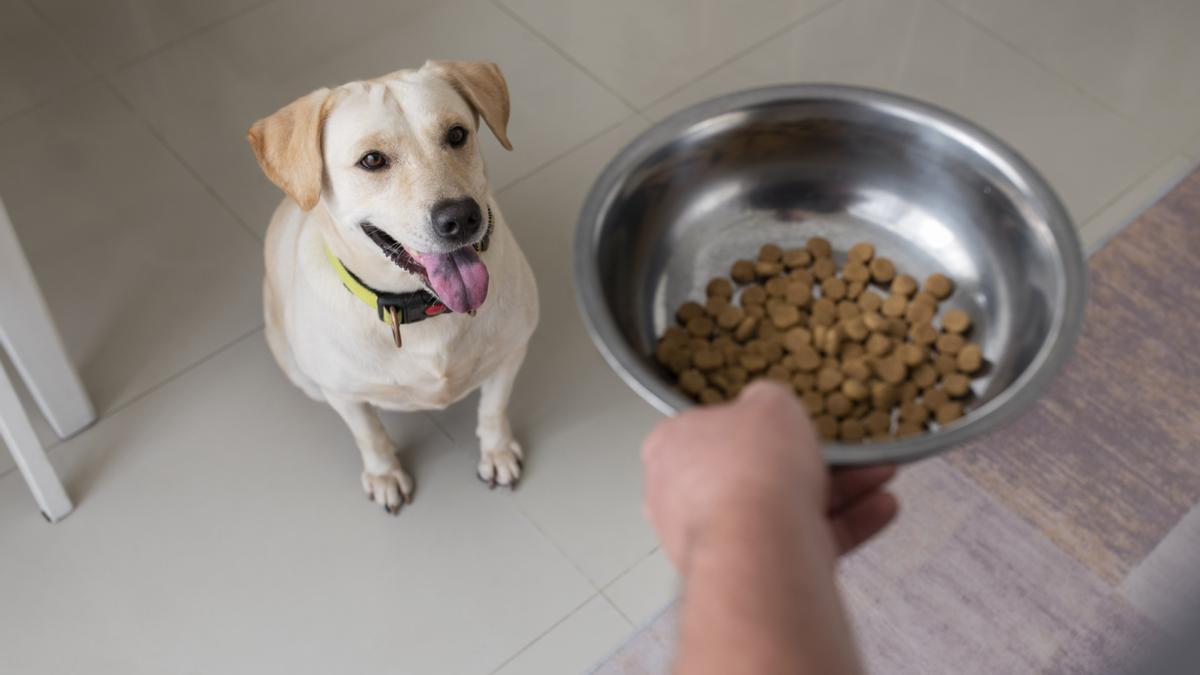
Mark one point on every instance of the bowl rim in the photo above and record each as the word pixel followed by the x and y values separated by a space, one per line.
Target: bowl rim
pixel 1018 396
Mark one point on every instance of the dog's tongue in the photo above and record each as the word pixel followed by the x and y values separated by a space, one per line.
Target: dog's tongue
pixel 459 278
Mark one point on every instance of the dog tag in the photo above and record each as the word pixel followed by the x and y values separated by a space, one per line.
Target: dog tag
pixel 394 321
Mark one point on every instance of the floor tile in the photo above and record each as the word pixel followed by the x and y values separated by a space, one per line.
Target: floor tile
pixel 1164 584
pixel 203 93
pixel 221 527
pixel 643 592
pixel 1192 147
pixel 575 645
pixel 34 63
pixel 922 49
pixel 1140 58
pixel 144 272
pixel 580 426
pixel 647 49
pixel 111 33
pixel 1131 203
pixel 985 593
pixel 644 50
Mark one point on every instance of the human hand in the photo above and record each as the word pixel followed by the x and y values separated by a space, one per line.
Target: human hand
pixel 756 459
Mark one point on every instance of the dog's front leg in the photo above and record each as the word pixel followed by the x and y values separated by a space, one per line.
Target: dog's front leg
pixel 499 454
pixel 383 479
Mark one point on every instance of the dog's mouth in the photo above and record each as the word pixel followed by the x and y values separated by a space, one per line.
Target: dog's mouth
pixel 458 278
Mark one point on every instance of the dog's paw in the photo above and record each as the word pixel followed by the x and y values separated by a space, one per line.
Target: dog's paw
pixel 391 490
pixel 501 467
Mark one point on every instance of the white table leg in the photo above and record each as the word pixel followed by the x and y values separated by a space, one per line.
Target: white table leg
pixel 27 450
pixel 33 343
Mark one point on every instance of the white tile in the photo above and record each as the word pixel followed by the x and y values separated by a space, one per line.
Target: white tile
pixel 581 427
pixel 144 272
pixel 575 645
pixel 113 32
pixel 922 49
pixel 203 93
pixel 1192 147
pixel 1141 58
pixel 1131 203
pixel 643 592
pixel 1164 584
pixel 643 50
pixel 34 62
pixel 221 528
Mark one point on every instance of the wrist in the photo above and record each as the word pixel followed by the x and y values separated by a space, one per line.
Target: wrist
pixel 751 527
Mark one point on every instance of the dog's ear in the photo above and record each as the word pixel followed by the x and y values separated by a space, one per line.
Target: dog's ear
pixel 482 85
pixel 288 147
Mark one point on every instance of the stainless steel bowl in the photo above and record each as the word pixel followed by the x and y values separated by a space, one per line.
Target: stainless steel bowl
pixel 932 191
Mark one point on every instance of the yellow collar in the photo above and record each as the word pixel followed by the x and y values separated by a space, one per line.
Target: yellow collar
pixel 397 309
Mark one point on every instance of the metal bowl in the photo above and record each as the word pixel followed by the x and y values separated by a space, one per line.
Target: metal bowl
pixel 932 191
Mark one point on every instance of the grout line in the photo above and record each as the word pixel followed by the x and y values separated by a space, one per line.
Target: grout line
pixel 107 81
pixel 543 634
pixel 216 23
pixel 564 153
pixel 154 388
pixel 1061 77
pixel 742 52
pixel 563 53
pixel 433 420
pixel 1133 184
pixel 1157 196
pixel 617 607
pixel 212 192
pixel 83 81
pixel 625 573
pixel 554 543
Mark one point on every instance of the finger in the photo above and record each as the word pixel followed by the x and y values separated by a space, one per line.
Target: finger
pixel 849 485
pixel 864 520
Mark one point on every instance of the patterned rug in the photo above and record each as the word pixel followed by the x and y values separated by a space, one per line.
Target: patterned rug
pixel 1062 541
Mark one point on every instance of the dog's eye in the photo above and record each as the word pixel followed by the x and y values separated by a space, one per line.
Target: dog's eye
pixel 456 136
pixel 373 161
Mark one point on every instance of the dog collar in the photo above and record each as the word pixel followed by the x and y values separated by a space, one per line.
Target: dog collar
pixel 396 309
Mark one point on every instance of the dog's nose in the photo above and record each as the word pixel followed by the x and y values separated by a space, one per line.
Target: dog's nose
pixel 456 219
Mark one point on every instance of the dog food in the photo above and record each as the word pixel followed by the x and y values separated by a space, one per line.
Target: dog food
pixel 861 344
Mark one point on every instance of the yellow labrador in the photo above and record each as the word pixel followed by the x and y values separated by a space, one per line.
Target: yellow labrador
pixel 392 279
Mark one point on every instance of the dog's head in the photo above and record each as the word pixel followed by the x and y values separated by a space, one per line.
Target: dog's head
pixel 396 162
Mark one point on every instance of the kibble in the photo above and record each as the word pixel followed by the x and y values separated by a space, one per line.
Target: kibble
pixel 861 346
pixel 833 288
pixel 770 253
pixel 823 269
pixel 939 285
pixel 970 359
pixel 796 257
pixel 819 247
pixel 776 287
pixel 721 287
pixel 742 271
pixel 956 321
pixel 767 269
pixel 882 270
pixel 904 285
pixel 861 252
pixel 730 317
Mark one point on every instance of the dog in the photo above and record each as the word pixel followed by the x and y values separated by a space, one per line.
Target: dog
pixel 392 280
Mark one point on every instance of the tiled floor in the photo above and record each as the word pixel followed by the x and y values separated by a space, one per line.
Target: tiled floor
pixel 220 526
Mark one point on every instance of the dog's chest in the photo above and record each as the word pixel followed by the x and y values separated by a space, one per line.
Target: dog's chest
pixel 438 364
